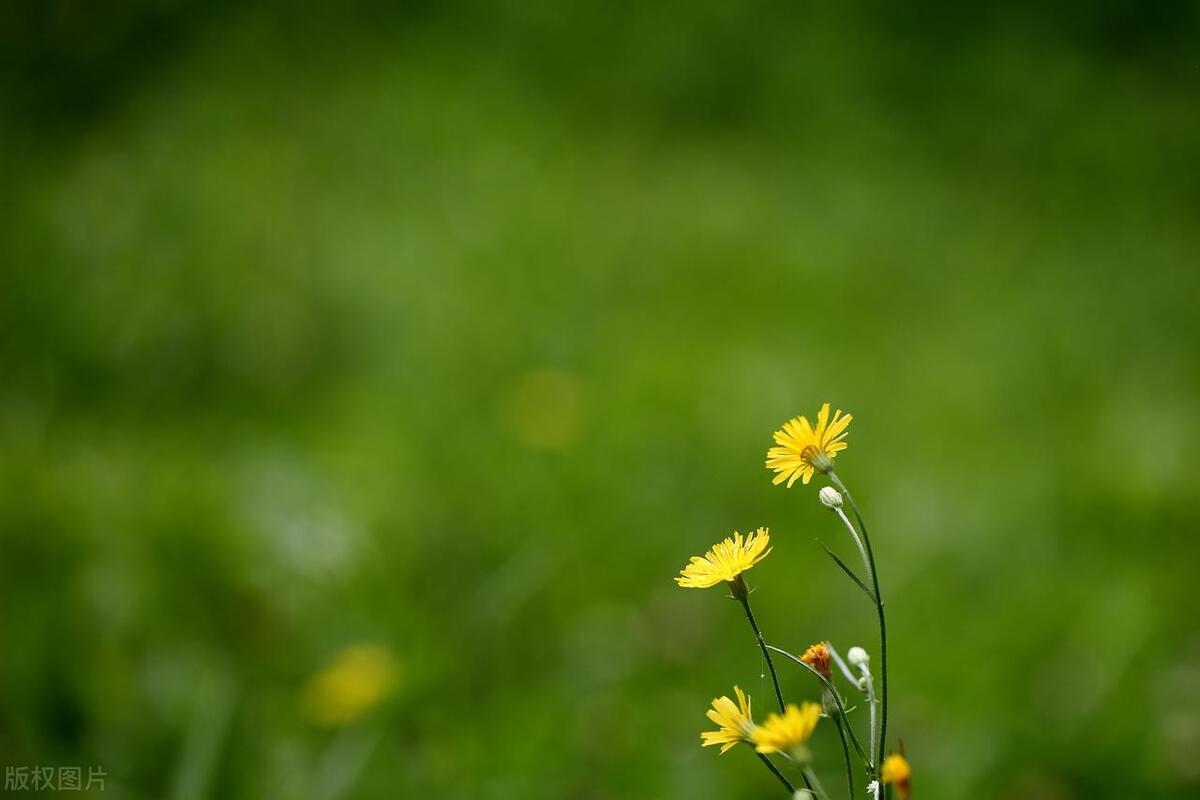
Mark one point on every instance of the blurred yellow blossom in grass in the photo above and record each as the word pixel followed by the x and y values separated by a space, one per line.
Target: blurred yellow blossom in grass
pixel 896 771
pixel 357 680
pixel 545 409
pixel 782 733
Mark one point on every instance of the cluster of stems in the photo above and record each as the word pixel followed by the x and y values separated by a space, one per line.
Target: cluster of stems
pixel 869 757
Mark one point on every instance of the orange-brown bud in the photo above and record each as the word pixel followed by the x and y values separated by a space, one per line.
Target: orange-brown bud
pixel 817 657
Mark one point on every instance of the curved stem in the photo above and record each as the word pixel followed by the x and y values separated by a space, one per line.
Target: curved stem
pixel 775 771
pixel 870 558
pixel 862 552
pixel 740 593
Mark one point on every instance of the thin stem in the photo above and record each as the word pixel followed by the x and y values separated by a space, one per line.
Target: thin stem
pixel 775 771
pixel 813 782
pixel 862 552
pixel 846 755
pixel 807 783
pixel 874 704
pixel 870 560
pixel 743 596
pixel 842 664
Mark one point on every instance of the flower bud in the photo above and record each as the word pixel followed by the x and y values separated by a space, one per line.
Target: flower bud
pixel 857 656
pixel 830 497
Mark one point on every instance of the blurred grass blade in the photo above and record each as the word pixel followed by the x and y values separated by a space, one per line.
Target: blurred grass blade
pixel 849 572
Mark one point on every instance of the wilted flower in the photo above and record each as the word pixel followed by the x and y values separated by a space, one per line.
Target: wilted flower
pixel 817 657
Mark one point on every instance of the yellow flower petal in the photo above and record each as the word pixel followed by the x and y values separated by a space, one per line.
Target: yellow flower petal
pixel 781 733
pixel 726 560
pixel 733 720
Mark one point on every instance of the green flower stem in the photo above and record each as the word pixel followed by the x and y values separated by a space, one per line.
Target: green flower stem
pixel 813 782
pixel 742 595
pixel 872 700
pixel 775 771
pixel 846 755
pixel 870 563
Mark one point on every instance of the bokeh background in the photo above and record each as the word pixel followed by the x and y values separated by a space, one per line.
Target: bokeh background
pixel 368 371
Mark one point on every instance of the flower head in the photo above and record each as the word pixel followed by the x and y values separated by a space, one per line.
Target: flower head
pixel 817 657
pixel 895 770
pixel 781 734
pixel 726 560
pixel 804 449
pixel 736 724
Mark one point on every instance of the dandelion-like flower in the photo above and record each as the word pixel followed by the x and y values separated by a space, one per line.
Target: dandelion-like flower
pixel 734 720
pixel 784 733
pixel 726 560
pixel 804 448
pixel 896 771
pixel 817 657
pixel 360 678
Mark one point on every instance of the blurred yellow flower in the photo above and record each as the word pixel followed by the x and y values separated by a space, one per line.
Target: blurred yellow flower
pixel 781 734
pixel 545 409
pixel 896 771
pixel 804 448
pixel 726 560
pixel 735 721
pixel 358 679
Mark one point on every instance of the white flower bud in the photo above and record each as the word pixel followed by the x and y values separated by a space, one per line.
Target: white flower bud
pixel 857 656
pixel 830 497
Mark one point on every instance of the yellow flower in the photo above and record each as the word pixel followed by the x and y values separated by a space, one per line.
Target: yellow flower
pixel 359 679
pixel 780 734
pixel 896 770
pixel 726 560
pixel 736 724
pixel 817 657
pixel 804 448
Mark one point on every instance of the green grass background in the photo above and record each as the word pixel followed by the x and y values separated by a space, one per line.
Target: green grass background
pixel 275 282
